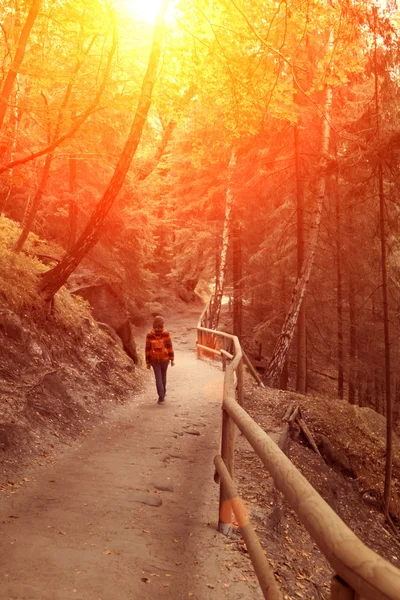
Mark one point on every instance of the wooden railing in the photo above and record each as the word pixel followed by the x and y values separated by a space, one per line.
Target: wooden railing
pixel 361 574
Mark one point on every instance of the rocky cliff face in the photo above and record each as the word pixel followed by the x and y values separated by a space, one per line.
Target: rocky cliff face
pixel 59 371
pixel 55 380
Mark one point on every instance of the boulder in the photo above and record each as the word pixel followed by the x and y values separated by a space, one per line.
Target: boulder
pixel 126 334
pixel 107 305
pixel 11 326
pixel 188 296
pixel 111 332
pixel 334 455
pixel 137 316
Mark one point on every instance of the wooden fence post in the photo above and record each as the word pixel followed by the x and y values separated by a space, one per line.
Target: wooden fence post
pixel 198 341
pixel 240 379
pixel 340 590
pixel 228 456
pixel 260 563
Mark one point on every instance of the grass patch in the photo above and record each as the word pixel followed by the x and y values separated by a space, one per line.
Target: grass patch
pixel 20 276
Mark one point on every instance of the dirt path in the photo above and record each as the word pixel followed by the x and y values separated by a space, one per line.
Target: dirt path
pixel 131 512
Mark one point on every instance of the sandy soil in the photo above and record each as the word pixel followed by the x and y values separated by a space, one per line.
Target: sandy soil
pixel 131 510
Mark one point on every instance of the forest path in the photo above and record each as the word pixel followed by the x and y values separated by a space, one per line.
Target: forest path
pixel 131 511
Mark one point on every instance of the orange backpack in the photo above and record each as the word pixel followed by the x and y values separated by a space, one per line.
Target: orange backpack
pixel 158 350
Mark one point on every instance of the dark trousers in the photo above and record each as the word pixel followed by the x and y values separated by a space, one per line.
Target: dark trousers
pixel 160 372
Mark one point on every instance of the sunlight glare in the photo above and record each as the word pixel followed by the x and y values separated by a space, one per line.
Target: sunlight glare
pixel 146 10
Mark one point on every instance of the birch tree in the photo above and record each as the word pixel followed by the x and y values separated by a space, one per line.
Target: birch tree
pixel 280 352
pixel 226 237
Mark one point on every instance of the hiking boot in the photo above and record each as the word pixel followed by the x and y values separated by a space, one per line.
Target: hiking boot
pixel 161 401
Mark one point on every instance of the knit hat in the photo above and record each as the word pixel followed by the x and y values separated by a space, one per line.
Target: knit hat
pixel 158 323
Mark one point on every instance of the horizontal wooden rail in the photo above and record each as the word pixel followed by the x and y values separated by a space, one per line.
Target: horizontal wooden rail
pixel 262 569
pixel 226 354
pixel 239 354
pixel 237 348
pixel 252 369
pixel 371 576
pixel 362 574
pixel 208 349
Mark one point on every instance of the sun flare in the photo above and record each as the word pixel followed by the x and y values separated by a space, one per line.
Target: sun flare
pixel 146 10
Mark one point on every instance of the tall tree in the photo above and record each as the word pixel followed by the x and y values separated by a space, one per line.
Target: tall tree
pixel 339 287
pixel 18 58
pixel 225 241
pixel 34 204
pixel 55 278
pixel 382 230
pixel 301 379
pixel 237 274
pixel 280 353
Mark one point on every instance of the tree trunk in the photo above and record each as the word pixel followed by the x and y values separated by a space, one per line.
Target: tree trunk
pixel 339 292
pixel 78 122
pixel 237 276
pixel 34 204
pixel 284 376
pixel 73 207
pixel 55 278
pixel 18 58
pixel 226 233
pixel 301 376
pixel 352 340
pixel 386 332
pixel 14 124
pixel 388 389
pixel 283 343
pixel 152 164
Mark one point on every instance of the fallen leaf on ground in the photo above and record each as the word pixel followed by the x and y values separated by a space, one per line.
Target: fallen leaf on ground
pixel 62 533
pixel 146 530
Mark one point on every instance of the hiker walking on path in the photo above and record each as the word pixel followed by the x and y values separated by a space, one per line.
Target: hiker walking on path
pixel 159 353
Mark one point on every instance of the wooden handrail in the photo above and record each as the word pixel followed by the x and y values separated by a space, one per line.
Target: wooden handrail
pixel 238 349
pixel 362 569
pixel 368 573
pixel 263 571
